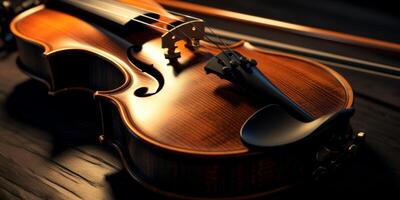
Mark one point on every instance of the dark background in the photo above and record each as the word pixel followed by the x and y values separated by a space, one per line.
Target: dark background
pixel 377 19
pixel 49 147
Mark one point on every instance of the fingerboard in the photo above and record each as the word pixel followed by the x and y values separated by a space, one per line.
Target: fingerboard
pixel 114 11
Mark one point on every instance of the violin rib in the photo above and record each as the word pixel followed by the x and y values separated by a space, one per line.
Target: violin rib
pixel 185 136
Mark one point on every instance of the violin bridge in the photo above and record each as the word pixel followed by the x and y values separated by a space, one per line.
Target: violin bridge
pixel 192 32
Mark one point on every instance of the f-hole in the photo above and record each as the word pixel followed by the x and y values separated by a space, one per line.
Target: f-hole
pixel 146 68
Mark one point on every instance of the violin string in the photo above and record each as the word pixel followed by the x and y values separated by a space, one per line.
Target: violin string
pixel 226 46
pixel 168 24
pixel 148 11
pixel 124 7
pixel 146 16
pixel 173 26
pixel 122 15
pixel 161 21
pixel 213 42
pixel 211 30
pixel 148 24
pixel 180 14
pixel 208 38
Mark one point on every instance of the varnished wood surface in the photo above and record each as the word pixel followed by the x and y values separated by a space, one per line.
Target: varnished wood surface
pixel 182 110
pixel 194 112
pixel 46 152
pixel 373 174
pixel 180 105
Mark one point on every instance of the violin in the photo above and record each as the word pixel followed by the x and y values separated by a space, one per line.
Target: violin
pixel 191 118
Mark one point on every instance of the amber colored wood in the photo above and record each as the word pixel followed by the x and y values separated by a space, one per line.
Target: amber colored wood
pixel 181 105
pixel 186 114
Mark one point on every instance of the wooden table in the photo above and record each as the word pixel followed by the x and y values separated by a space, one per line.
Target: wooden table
pixel 41 156
pixel 49 147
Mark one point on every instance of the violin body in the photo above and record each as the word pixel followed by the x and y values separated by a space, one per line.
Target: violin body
pixel 176 128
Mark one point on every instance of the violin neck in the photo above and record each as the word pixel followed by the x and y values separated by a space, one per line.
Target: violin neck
pixel 173 29
pixel 116 12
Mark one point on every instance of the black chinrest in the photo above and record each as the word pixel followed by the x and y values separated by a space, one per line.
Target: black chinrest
pixel 273 126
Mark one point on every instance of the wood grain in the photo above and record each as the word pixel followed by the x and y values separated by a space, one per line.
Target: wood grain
pixel 373 173
pixel 182 94
pixel 29 123
pixel 161 115
pixel 37 163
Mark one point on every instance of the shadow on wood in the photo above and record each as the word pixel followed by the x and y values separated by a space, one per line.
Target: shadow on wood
pixel 367 176
pixel 72 120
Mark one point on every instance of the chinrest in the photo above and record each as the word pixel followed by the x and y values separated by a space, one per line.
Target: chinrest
pixel 273 126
